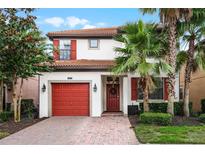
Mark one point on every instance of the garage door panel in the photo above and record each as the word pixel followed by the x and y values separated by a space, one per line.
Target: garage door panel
pixel 69 104
pixel 67 93
pixel 62 100
pixel 71 108
pixel 71 95
pixel 70 113
pixel 70 99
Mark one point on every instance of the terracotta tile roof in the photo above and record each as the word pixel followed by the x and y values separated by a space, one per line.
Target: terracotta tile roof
pixel 94 32
pixel 83 64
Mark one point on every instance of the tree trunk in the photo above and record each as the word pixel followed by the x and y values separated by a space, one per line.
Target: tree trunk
pixel 1 95
pixel 187 77
pixel 186 100
pixel 172 63
pixel 19 101
pixel 146 95
pixel 14 97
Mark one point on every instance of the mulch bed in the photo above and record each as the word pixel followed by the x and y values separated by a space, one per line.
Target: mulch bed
pixel 177 121
pixel 134 120
pixel 184 121
pixel 12 127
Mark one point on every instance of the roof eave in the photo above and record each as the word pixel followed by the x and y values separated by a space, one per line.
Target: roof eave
pixel 51 37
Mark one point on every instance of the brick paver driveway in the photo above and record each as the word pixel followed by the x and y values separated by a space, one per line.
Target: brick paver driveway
pixel 76 130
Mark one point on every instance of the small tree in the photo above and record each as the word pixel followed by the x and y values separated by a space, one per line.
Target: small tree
pixel 22 52
pixel 141 43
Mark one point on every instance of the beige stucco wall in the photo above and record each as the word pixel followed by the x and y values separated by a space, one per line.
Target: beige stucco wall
pixel 30 90
pixel 197 88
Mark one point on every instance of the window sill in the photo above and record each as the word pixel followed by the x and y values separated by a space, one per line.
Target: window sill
pixel 93 48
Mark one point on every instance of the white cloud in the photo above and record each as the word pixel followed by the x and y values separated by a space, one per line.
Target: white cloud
pixel 87 26
pixel 100 24
pixel 73 21
pixel 55 21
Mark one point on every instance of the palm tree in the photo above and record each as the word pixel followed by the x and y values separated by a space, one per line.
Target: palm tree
pixel 170 17
pixel 141 43
pixel 193 33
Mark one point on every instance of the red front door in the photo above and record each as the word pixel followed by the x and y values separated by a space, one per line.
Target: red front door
pixel 113 97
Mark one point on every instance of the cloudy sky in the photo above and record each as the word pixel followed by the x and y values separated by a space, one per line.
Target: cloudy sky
pixel 63 19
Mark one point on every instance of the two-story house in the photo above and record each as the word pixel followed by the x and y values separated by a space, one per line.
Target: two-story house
pixel 82 83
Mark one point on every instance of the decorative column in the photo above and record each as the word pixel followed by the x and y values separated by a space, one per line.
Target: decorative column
pixel 125 95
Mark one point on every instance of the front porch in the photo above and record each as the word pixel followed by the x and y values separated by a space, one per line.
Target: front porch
pixel 112 114
pixel 114 95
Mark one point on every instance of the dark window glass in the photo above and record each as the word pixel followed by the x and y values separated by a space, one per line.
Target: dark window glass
pixel 156 93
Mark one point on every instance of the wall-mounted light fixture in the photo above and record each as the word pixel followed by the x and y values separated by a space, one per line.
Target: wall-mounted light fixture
pixel 43 88
pixel 69 78
pixel 95 88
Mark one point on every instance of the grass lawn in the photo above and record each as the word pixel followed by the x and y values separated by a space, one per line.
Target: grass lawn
pixel 170 134
pixel 3 134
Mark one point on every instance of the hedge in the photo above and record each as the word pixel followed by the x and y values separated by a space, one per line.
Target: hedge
pixel 202 118
pixel 203 105
pixel 156 118
pixel 179 109
pixel 4 116
pixel 28 108
pixel 162 108
pixel 158 107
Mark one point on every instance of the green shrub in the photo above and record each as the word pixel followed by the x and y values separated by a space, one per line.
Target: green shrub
pixel 156 118
pixel 195 114
pixel 202 118
pixel 179 108
pixel 4 116
pixel 141 108
pixel 162 107
pixel 155 107
pixel 158 107
pixel 8 106
pixel 28 108
pixel 203 105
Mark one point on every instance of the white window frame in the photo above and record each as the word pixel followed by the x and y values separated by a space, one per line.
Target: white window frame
pixel 61 44
pixel 89 44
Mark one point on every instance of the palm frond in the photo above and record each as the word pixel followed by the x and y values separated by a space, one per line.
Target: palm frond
pixel 141 41
pixel 182 57
pixel 148 10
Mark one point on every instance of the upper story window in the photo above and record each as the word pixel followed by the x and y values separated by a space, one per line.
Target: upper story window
pixel 156 94
pixel 93 43
pixel 65 47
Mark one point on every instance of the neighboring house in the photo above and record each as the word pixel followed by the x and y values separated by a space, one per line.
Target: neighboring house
pixel 197 87
pixel 82 83
pixel 30 91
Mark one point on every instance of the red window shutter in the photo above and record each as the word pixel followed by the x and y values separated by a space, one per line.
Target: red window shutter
pixel 73 49
pixel 134 88
pixel 56 53
pixel 165 88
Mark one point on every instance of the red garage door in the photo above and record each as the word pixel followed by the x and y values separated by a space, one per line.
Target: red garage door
pixel 70 99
